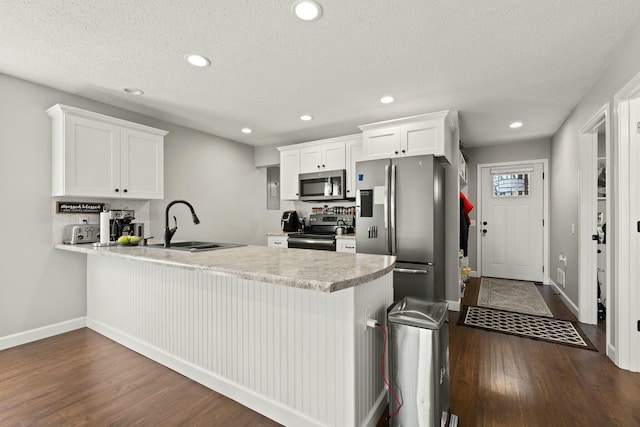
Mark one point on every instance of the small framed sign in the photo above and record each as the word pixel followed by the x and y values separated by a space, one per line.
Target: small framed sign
pixel 79 207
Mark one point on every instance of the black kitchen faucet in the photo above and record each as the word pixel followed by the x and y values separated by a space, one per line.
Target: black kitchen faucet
pixel 169 232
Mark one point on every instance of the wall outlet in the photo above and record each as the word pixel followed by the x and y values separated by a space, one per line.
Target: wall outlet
pixel 367 313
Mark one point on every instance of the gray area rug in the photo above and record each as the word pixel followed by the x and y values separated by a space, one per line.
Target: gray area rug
pixel 525 325
pixel 512 295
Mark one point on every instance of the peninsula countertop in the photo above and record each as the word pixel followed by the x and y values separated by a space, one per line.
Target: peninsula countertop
pixel 322 271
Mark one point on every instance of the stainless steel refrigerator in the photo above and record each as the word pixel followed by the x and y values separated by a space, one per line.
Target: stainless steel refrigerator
pixel 400 211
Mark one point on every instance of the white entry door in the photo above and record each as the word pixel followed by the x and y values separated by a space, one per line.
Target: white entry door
pixel 511 229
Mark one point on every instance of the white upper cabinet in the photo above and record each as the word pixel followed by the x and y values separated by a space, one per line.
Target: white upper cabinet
pixel 289 171
pixel 315 156
pixel 141 164
pixel 322 156
pixel 100 156
pixel 353 148
pixel 411 136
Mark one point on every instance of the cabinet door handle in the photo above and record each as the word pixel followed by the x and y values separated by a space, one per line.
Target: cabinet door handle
pixel 318 166
pixel 349 247
pixel 323 166
pixel 125 190
pixel 396 152
pixel 117 190
pixel 277 243
pixel 404 151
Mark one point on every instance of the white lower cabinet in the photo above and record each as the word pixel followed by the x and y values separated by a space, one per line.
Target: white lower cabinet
pixel 277 241
pixel 346 245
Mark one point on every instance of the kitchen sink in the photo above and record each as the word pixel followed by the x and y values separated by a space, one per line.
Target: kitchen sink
pixel 196 246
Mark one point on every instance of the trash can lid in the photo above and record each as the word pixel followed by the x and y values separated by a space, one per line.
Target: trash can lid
pixel 419 313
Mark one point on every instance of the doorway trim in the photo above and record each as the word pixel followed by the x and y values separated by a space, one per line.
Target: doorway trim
pixel 622 351
pixel 587 223
pixel 545 211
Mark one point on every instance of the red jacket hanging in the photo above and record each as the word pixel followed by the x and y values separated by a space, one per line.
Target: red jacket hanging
pixel 468 207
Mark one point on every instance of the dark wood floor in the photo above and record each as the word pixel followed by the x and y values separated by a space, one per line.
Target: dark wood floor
pixel 83 379
pixel 504 380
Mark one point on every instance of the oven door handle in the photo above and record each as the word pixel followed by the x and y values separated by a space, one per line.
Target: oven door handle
pixel 410 271
pixel 302 243
pixel 311 241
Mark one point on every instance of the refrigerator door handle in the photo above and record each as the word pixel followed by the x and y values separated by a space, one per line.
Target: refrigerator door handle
pixel 386 208
pixel 393 209
pixel 410 271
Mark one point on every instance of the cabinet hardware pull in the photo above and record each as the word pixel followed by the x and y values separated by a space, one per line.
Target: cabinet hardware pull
pixel 117 190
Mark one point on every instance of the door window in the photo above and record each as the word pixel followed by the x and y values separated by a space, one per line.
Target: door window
pixel 511 185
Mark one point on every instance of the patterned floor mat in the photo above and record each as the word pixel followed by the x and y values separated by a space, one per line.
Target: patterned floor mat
pixel 525 325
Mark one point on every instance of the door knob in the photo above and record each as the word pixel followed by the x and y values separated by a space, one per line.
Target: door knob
pixel 484 223
pixel 484 231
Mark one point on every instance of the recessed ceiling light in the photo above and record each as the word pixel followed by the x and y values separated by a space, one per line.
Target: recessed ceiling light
pixel 387 99
pixel 515 125
pixel 306 117
pixel 246 130
pixel 197 60
pixel 307 10
pixel 133 91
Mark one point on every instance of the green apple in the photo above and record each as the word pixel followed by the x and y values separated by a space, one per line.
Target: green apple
pixel 123 240
pixel 134 240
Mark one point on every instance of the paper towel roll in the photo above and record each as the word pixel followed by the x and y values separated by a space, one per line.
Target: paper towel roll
pixel 105 233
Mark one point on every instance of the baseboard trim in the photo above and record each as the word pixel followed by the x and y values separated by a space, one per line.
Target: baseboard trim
pixel 376 412
pixel 454 305
pixel 267 407
pixel 611 354
pixel 570 305
pixel 32 335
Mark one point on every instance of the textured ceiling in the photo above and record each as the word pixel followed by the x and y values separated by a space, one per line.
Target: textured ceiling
pixel 495 61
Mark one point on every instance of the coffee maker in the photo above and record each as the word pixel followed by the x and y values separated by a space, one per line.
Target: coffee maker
pixel 121 224
pixel 290 221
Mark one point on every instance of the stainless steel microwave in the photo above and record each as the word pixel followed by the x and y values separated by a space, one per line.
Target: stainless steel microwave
pixel 325 185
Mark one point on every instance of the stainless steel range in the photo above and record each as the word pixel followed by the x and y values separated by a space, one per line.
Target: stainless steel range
pixel 322 232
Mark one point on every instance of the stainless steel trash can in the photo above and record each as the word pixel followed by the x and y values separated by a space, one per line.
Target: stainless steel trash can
pixel 419 363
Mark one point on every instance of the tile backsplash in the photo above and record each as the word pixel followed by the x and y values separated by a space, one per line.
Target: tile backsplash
pixel 60 220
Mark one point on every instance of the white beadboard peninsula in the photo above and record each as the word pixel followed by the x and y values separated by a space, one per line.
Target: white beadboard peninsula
pixel 281 331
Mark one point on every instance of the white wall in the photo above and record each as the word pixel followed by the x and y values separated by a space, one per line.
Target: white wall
pixel 624 64
pixel 267 156
pixel 40 286
pixel 529 150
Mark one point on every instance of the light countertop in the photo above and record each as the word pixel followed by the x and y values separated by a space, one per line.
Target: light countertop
pixel 350 236
pixel 321 271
